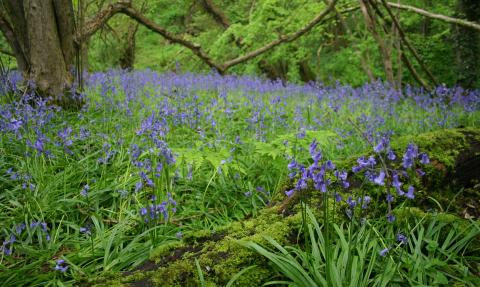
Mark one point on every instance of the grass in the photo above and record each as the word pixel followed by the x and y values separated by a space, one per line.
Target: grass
pixel 196 151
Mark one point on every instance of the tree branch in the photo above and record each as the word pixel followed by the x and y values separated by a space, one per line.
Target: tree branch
pixel 125 7
pixel 217 14
pixel 282 39
pixel 441 17
pixel 409 46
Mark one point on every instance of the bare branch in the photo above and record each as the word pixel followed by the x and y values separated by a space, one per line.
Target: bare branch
pixel 441 17
pixel 217 14
pixel 125 7
pixel 282 39
pixel 408 44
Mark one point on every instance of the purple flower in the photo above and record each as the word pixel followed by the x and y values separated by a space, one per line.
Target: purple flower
pixel 330 165
pixel 401 238
pixel 313 147
pixel 409 155
pixel 84 230
pixel 138 186
pixel 391 155
pixel 61 265
pixel 84 191
pixel 290 192
pixel 390 217
pixel 292 165
pixel 352 203
pixel 384 252
pixel 379 147
pixel 409 193
pixel 424 158
pixel 179 235
pixel 380 178
pixel 420 172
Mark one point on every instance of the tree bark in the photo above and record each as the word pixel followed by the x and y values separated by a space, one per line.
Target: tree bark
pixel 41 36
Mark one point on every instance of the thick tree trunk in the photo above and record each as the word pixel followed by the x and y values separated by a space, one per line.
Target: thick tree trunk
pixel 43 44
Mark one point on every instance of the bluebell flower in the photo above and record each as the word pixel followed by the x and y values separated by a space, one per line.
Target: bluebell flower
pixel 84 191
pixel 138 186
pixel 390 217
pixel 380 178
pixel 61 265
pixel 420 172
pixel 424 158
pixel 401 238
pixel 351 203
pixel 384 252
pixel 330 165
pixel 290 192
pixel 410 194
pixel 391 155
pixel 179 235
pixel 379 147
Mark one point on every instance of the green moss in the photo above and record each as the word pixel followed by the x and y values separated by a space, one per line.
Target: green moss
pixel 221 258
pixel 442 146
pixel 164 248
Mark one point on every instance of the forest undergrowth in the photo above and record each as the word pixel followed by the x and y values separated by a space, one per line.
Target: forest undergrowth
pixel 154 158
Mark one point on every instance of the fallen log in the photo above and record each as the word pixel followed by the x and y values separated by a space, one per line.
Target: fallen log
pixel 455 165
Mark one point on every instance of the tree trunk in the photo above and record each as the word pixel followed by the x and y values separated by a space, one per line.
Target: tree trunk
pixel 127 58
pixel 468 44
pixel 384 47
pixel 44 45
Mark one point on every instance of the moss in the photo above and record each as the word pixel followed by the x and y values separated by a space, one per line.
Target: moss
pixel 443 146
pixel 164 248
pixel 220 257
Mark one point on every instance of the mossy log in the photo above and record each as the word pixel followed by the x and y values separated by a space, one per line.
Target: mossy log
pixel 455 166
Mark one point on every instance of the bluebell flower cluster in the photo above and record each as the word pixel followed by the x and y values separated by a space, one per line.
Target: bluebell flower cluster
pixel 319 173
pixel 158 211
pixel 19 231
